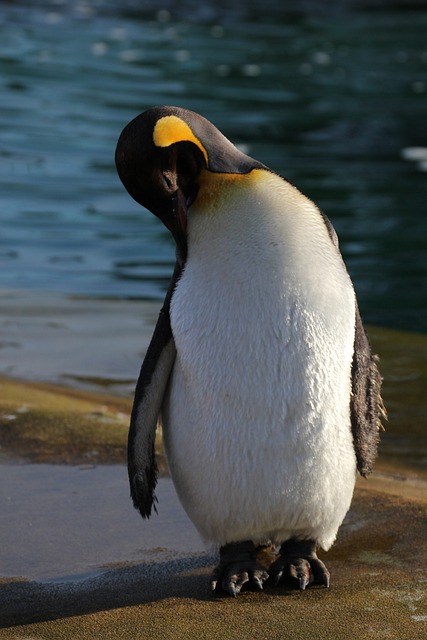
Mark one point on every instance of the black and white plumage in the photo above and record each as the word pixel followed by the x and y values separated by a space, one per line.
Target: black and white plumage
pixel 259 364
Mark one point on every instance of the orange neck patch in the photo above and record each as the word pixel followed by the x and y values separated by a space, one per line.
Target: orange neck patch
pixel 213 184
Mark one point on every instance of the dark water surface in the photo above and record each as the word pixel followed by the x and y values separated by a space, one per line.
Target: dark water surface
pixel 333 98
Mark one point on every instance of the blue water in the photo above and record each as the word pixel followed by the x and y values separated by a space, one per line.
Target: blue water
pixel 334 98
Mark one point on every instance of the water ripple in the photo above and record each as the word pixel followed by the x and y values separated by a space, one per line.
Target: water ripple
pixel 338 107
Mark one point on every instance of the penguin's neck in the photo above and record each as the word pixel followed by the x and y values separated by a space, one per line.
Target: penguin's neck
pixel 258 213
pixel 259 233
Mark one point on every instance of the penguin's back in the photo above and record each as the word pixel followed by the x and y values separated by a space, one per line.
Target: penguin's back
pixel 256 419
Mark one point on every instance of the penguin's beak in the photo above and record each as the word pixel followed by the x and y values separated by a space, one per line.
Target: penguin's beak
pixel 178 224
pixel 179 169
pixel 180 210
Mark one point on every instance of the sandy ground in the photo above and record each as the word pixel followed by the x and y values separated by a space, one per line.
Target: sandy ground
pixel 378 590
pixel 378 567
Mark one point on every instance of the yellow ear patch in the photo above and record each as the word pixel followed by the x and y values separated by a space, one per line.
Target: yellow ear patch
pixel 171 129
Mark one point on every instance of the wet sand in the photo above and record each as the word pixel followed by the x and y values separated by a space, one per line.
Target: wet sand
pixel 87 566
pixel 79 521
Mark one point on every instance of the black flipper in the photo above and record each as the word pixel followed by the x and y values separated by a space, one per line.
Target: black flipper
pixel 366 403
pixel 150 389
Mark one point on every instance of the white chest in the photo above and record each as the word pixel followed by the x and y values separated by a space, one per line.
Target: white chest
pixel 264 289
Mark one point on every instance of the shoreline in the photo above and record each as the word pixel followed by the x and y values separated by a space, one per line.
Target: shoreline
pixel 98 345
pixel 50 423
pixel 87 343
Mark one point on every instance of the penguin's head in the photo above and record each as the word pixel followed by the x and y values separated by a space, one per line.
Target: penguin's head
pixel 161 155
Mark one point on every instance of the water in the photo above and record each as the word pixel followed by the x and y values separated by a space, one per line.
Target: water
pixel 333 98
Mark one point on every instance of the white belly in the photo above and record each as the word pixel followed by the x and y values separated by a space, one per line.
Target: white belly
pixel 256 420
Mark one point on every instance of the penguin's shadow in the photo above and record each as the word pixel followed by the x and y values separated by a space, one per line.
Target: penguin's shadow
pixel 24 602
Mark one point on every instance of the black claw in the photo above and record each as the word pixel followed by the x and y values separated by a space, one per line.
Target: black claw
pixel 320 573
pixel 257 583
pixel 238 567
pixel 299 566
pixel 277 578
pixel 303 582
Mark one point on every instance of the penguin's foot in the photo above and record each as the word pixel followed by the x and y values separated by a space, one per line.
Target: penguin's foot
pixel 238 566
pixel 298 565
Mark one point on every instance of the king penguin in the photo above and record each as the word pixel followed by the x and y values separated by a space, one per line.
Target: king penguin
pixel 259 366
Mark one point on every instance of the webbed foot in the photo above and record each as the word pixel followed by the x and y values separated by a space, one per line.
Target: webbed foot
pixel 298 565
pixel 238 566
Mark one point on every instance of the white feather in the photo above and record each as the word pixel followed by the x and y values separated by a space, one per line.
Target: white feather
pixel 256 419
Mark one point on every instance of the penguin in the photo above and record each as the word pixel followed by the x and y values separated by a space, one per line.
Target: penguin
pixel 259 367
